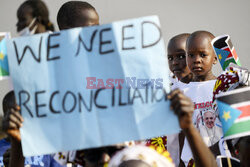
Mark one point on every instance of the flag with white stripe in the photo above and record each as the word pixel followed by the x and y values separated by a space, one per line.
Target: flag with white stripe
pixel 234 112
pixel 225 51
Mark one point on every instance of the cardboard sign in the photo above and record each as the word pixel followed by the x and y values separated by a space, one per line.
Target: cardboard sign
pixel 91 87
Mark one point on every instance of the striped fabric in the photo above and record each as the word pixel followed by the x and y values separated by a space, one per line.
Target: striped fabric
pixel 234 111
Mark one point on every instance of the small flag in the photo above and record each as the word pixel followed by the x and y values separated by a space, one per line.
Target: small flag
pixel 234 112
pixel 221 55
pixel 227 115
pixel 4 68
pixel 5 80
pixel 225 51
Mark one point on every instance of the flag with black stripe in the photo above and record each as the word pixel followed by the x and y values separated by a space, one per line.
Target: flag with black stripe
pixel 234 112
pixel 225 51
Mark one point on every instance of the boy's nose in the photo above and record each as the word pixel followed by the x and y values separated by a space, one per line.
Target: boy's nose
pixel 175 61
pixel 197 59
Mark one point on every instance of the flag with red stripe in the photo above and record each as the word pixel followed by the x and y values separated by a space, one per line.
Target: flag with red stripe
pixel 234 112
pixel 225 51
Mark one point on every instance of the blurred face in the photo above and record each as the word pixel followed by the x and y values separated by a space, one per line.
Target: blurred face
pixel 24 16
pixel 200 56
pixel 177 58
pixel 209 119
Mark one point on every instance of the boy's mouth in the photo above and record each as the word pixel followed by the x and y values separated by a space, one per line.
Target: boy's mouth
pixel 197 69
pixel 177 70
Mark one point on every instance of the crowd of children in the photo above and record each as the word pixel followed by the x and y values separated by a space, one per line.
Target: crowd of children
pixel 190 57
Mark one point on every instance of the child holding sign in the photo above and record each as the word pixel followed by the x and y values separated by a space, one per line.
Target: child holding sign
pixel 33 18
pixel 11 123
pixel 200 60
pixel 83 14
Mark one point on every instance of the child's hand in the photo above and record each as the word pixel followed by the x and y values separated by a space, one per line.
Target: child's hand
pixel 12 121
pixel 183 108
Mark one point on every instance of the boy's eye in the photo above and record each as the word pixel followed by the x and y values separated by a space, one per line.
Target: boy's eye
pixel 203 55
pixel 182 56
pixel 170 58
pixel 190 55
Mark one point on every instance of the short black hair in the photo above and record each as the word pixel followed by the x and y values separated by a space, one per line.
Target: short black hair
pixel 179 36
pixel 70 13
pixel 8 101
pixel 201 33
pixel 39 10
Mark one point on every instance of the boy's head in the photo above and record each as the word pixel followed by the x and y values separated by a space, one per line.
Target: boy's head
pixel 34 10
pixel 200 54
pixel 76 14
pixel 177 55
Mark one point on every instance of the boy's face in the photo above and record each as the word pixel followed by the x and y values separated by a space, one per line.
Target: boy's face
pixel 177 57
pixel 200 56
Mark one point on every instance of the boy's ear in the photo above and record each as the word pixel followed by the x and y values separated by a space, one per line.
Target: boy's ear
pixel 215 59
